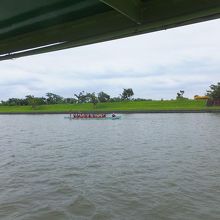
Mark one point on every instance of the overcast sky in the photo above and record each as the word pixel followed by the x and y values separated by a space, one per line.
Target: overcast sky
pixel 155 65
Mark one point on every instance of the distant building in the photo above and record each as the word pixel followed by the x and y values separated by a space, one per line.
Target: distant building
pixel 198 97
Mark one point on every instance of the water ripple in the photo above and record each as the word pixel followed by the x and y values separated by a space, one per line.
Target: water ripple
pixel 148 166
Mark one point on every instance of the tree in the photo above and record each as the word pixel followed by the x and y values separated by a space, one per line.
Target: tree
pixel 53 98
pixel 103 97
pixel 15 101
pixel 115 99
pixel 214 92
pixel 180 94
pixel 127 94
pixel 92 98
pixel 31 100
pixel 81 97
pixel 70 100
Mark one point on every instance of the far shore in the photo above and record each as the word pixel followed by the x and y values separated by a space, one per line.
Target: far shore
pixel 116 112
pixel 129 107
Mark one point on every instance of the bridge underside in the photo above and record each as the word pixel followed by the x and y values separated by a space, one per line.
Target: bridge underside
pixel 33 27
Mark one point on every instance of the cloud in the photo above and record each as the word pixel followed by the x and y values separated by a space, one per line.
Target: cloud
pixel 155 65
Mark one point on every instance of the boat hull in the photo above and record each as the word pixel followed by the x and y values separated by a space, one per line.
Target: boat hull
pixel 106 118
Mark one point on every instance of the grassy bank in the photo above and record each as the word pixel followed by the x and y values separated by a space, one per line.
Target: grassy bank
pixel 117 106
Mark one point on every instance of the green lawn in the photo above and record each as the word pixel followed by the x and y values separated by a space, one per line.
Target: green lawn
pixel 117 106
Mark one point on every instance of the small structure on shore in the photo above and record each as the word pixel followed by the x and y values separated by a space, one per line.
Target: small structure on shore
pixel 198 97
pixel 210 101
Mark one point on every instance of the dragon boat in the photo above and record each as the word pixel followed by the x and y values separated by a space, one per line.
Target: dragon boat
pixel 92 117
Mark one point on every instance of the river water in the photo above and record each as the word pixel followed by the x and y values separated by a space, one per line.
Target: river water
pixel 144 166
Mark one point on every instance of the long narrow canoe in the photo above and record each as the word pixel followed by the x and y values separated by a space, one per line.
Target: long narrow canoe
pixel 105 118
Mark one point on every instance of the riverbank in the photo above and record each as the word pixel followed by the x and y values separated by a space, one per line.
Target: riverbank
pixel 174 106
pixel 117 112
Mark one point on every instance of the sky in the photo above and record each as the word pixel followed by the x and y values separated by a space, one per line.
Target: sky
pixel 155 65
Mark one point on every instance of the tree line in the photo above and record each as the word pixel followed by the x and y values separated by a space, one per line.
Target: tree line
pixel 81 97
pixel 84 97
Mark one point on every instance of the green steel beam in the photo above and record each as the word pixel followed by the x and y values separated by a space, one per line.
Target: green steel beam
pixel 95 22
pixel 130 8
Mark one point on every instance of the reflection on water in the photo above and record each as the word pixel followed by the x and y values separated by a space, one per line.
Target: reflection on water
pixel 146 166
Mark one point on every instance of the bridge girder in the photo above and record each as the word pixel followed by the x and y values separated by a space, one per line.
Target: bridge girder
pixel 33 27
